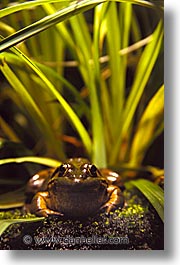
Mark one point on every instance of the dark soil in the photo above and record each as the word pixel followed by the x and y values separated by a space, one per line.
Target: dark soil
pixel 137 226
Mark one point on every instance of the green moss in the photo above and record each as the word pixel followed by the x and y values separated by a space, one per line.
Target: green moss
pixel 135 209
pixel 15 214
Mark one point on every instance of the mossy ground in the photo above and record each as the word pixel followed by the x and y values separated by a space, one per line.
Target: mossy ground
pixel 137 226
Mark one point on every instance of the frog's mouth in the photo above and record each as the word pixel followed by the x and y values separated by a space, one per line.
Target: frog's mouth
pixel 78 184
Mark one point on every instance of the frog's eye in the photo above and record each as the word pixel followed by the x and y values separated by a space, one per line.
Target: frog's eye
pixel 62 169
pixel 93 169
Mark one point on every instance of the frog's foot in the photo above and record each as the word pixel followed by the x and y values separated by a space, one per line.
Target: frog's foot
pixel 39 206
pixel 109 207
pixel 116 199
pixel 47 212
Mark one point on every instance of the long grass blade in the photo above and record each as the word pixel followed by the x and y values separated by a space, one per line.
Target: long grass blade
pixel 30 105
pixel 28 4
pixel 61 15
pixel 17 61
pixel 4 224
pixel 32 159
pixel 43 24
pixel 153 193
pixel 142 75
pixel 70 114
pixel 87 69
pixel 118 38
pixel 149 125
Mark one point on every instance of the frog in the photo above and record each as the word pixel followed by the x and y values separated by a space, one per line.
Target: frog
pixel 75 189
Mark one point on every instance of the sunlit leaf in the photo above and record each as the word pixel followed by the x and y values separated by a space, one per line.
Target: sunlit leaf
pixel 61 15
pixel 4 224
pixel 30 104
pixel 102 138
pixel 33 159
pixel 153 193
pixel 148 127
pixel 143 72
pixel 28 4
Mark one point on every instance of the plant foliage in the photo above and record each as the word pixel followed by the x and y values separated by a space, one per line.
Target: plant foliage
pixel 113 111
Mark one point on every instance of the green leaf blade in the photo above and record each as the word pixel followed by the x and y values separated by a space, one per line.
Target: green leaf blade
pixel 153 193
pixel 4 224
pixel 151 122
pixel 143 72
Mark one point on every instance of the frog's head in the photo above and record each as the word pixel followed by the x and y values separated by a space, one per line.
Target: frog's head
pixel 77 188
pixel 77 173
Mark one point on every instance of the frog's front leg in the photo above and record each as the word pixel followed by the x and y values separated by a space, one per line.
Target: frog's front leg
pixel 39 205
pixel 116 198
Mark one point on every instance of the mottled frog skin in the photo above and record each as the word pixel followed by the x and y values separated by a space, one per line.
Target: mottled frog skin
pixel 75 189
